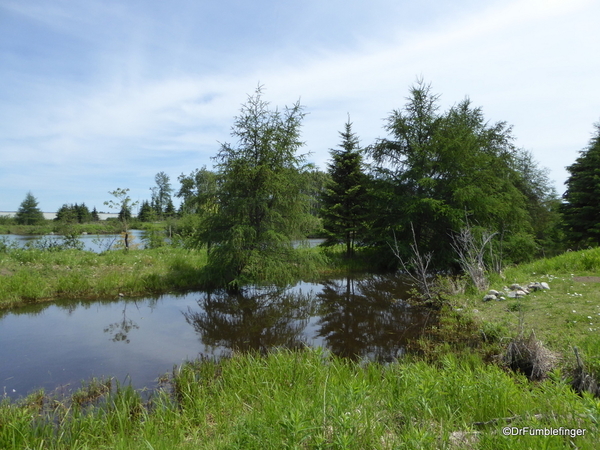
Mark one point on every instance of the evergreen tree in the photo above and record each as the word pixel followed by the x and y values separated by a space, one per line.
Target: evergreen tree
pixel 83 213
pixel 344 209
pixel 439 172
pixel 66 214
pixel 95 216
pixel 581 210
pixel 28 212
pixel 146 213
pixel 260 204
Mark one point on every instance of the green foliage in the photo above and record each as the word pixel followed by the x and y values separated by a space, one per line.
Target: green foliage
pixel 161 196
pixel 198 191
pixel 581 212
pixel 344 201
pixel 74 214
pixel 28 212
pixel 146 213
pixel 309 400
pixel 124 204
pixel 259 206
pixel 440 171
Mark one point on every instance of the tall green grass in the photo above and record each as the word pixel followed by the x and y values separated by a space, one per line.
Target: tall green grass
pixel 35 275
pixel 309 400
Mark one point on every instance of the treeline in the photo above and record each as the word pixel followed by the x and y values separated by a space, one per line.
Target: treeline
pixel 435 179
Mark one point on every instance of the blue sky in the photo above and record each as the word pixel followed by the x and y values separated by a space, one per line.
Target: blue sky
pixel 100 94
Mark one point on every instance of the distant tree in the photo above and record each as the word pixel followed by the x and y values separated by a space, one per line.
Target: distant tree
pixel 260 207
pixel 125 214
pixel 170 209
pixel 28 212
pixel 73 214
pixel 83 213
pixel 95 216
pixel 315 184
pixel 161 193
pixel 198 191
pixel 124 204
pixel 66 214
pixel 344 200
pixel 146 213
pixel 581 210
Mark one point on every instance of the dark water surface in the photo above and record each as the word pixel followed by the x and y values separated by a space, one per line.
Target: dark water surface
pixel 60 344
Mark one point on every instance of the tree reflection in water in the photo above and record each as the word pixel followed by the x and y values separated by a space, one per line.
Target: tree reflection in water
pixel 120 330
pixel 358 318
pixel 255 319
pixel 366 318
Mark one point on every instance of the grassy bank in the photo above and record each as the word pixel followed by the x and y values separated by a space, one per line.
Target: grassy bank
pixel 567 315
pixel 36 275
pixel 307 400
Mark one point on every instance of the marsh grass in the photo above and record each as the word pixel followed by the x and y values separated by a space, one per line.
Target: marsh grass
pixel 309 399
pixel 34 275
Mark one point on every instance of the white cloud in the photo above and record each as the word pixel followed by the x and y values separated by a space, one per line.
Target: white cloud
pixel 148 95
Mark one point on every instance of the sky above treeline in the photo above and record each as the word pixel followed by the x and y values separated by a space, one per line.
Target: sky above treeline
pixel 101 94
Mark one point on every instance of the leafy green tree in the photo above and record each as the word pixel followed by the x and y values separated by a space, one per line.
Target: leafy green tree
pixel 259 204
pixel 28 212
pixel 161 193
pixel 440 171
pixel 315 185
pixel 124 204
pixel 581 210
pixel 95 216
pixel 198 191
pixel 170 209
pixel 345 199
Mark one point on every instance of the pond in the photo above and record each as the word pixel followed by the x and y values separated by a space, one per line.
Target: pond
pixel 100 243
pixel 58 345
pixel 91 242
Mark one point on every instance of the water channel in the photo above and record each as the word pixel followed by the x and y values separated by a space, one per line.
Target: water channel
pixel 58 345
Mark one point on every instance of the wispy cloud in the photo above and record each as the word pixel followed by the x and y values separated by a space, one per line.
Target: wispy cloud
pixel 106 94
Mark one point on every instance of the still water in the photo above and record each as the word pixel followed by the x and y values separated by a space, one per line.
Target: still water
pixel 91 242
pixel 57 345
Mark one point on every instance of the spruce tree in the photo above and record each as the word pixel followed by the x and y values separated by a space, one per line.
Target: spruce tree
pixel 581 210
pixel 29 213
pixel 345 198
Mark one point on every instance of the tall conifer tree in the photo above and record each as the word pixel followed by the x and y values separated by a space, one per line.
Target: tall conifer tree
pixel 345 199
pixel 581 211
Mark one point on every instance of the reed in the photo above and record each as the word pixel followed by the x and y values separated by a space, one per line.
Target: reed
pixel 309 399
